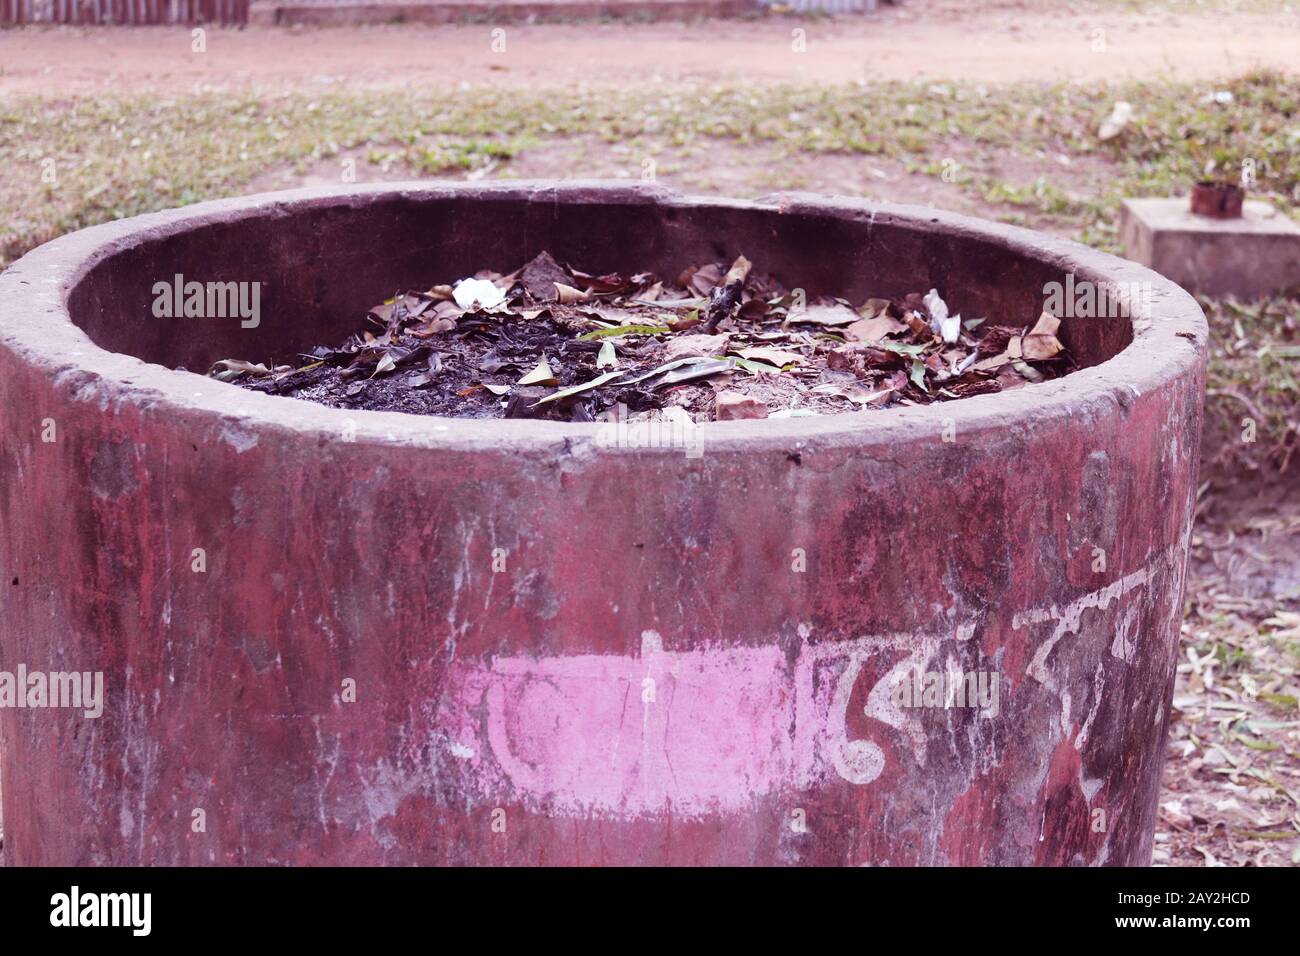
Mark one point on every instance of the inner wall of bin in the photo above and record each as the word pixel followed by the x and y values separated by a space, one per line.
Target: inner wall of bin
pixel 320 267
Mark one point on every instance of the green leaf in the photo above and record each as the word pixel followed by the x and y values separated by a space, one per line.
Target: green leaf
pixel 901 348
pixel 697 370
pixel 918 375
pixel 577 389
pixel 1282 700
pixel 667 366
pixel 624 330
pixel 750 365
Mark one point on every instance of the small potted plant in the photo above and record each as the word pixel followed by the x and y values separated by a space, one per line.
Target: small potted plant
pixel 1218 195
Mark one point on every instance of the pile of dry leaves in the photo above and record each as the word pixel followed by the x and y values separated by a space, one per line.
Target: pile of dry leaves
pixel 718 342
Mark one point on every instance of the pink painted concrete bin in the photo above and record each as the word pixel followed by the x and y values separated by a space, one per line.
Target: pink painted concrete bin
pixel 564 651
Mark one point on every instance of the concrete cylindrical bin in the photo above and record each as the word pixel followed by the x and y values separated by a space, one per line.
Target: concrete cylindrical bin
pixel 563 651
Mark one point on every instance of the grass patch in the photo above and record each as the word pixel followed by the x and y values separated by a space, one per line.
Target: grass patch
pixel 74 162
pixel 1252 403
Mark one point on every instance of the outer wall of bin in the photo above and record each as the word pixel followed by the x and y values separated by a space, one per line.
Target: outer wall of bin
pixel 564 652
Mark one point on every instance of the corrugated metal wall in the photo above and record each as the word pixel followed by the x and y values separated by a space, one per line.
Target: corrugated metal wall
pixel 124 11
pixel 236 11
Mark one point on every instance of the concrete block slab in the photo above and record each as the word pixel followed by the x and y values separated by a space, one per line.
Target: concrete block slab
pixel 1247 257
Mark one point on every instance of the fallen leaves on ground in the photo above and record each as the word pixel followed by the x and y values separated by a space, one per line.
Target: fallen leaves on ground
pixel 1231 793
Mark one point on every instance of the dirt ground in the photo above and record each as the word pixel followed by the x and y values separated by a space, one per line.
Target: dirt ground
pixel 980 42
pixel 1231 792
pixel 743 171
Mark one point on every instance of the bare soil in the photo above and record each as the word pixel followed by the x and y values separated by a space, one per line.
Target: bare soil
pixel 924 39
pixel 750 170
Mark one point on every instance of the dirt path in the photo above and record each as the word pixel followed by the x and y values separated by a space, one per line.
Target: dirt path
pixel 927 39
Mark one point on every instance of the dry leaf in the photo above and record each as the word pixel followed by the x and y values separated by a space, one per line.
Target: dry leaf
pixel 691 346
pixel 856 394
pixel 434 327
pixel 776 357
pixel 917 323
pixel 875 328
pixel 825 315
pixel 227 369
pixel 542 375
pixel 1042 344
pixel 701 280
pixel 568 295
pixel 873 307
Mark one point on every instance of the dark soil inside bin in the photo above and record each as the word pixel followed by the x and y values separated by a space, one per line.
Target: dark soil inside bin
pixel 717 341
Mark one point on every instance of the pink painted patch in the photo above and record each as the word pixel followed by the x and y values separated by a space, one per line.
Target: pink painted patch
pixel 691 732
